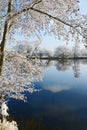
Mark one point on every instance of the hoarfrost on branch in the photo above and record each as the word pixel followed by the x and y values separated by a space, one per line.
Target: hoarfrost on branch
pixel 30 17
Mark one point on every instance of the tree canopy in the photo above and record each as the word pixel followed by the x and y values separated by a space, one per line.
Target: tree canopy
pixel 59 17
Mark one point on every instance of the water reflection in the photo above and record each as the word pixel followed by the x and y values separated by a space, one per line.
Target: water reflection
pixel 76 68
pixel 64 65
pixel 56 102
pixel 46 110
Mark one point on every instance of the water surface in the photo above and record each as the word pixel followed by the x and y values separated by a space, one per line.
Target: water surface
pixel 61 103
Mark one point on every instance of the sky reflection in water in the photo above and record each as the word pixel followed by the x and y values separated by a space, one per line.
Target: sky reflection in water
pixel 60 105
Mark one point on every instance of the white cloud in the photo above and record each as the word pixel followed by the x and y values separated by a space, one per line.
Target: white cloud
pixel 57 88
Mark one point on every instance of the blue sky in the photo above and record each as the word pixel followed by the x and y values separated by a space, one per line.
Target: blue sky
pixel 50 42
pixel 83 6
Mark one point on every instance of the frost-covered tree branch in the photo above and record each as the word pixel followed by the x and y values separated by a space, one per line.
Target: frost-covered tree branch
pixel 50 16
pixel 18 75
pixel 26 8
pixel 60 20
pixel 35 15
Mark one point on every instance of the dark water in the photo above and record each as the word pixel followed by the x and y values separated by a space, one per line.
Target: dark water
pixel 61 103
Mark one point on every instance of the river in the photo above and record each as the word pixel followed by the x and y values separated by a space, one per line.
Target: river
pixel 60 103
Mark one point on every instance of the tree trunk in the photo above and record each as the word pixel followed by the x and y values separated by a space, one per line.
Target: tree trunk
pixel 1 63
pixel 3 43
pixel 5 34
pixel 5 37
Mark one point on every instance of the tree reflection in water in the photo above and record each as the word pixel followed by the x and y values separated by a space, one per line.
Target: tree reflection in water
pixel 63 65
pixel 76 68
pixel 17 74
